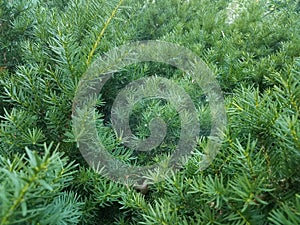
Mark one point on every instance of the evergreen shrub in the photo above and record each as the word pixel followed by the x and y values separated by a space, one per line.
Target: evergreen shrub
pixel 253 48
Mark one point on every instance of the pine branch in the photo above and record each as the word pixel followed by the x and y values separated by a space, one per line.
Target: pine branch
pixel 91 53
pixel 29 184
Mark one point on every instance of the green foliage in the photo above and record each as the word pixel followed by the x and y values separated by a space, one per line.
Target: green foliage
pixel 287 214
pixel 32 189
pixel 253 47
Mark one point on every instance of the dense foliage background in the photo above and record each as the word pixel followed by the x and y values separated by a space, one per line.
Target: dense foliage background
pixel 252 46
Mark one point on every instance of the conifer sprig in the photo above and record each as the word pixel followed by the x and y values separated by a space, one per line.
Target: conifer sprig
pixel 91 53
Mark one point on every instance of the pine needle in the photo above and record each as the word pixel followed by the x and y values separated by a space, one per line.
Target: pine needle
pixel 89 59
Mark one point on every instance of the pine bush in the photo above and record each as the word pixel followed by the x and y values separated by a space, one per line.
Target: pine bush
pixel 253 48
